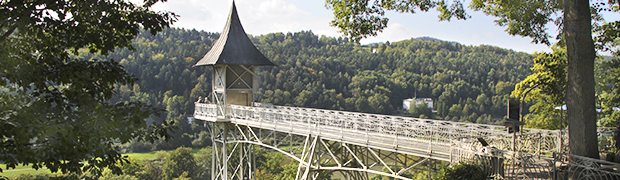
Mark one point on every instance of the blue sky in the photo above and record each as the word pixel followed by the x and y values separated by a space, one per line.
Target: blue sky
pixel 269 16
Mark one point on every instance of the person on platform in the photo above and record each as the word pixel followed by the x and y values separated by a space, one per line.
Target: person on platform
pixel 199 98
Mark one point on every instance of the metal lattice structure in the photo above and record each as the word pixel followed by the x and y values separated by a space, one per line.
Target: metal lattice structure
pixel 354 144
pixel 571 166
pixel 414 135
pixel 318 157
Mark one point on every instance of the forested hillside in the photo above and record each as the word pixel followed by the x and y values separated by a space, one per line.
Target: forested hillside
pixel 467 83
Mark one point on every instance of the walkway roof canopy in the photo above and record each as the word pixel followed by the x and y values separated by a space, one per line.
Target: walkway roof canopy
pixel 234 46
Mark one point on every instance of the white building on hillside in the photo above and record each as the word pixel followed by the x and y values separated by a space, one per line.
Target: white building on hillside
pixel 427 101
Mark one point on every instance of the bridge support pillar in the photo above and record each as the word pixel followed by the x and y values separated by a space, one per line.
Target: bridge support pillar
pixel 244 169
pixel 305 166
pixel 231 157
pixel 219 155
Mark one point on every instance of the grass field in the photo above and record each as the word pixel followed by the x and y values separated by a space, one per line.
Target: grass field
pixel 17 172
pixel 28 170
pixel 142 156
pixel 21 170
pixel 151 155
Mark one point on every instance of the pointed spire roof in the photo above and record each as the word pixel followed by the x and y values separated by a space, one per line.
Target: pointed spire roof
pixel 234 46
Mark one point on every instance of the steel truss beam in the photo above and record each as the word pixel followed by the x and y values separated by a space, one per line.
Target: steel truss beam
pixel 318 158
pixel 350 145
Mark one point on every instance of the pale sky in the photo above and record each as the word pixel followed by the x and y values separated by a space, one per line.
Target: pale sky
pixel 270 16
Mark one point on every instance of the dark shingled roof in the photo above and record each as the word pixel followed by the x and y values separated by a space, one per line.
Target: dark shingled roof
pixel 234 46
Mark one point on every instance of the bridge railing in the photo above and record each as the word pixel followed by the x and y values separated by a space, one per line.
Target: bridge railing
pixel 570 166
pixel 391 130
pixel 358 128
pixel 452 141
pixel 405 131
pixel 516 165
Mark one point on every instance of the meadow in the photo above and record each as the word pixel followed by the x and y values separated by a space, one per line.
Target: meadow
pixel 28 170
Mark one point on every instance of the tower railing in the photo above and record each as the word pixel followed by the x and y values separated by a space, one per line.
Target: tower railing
pixel 206 111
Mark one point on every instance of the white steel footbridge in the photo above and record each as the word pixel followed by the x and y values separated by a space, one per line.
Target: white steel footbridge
pixel 354 144
pixel 350 145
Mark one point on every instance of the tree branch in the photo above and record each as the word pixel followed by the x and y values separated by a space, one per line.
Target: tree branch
pixel 7 33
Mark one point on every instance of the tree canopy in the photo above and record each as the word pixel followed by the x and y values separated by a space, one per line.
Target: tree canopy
pixel 529 18
pixel 55 108
pixel 546 88
pixel 180 162
pixel 330 73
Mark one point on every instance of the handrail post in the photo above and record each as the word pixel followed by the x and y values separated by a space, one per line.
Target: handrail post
pixel 342 124
pixel 451 150
pixel 430 142
pixel 366 128
pixel 560 141
pixel 540 139
pixel 290 120
pixel 395 135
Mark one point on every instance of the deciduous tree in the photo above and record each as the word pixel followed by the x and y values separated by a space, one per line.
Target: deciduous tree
pixel 180 163
pixel 420 109
pixel 360 18
pixel 546 87
pixel 55 110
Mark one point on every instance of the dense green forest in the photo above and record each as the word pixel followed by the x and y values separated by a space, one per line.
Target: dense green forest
pixel 467 83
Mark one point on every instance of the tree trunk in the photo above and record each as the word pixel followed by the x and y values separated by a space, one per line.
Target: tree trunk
pixel 580 99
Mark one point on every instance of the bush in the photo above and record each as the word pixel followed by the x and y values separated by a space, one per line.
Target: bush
pixel 178 162
pixel 203 161
pixel 204 140
pixel 108 175
pixel 138 146
pixel 463 171
pixel 132 167
pixel 160 156
pixel 151 171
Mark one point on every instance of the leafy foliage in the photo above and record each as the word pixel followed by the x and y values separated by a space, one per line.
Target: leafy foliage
pixel 525 18
pixel 420 110
pixel 108 175
pixel 546 87
pixel 180 162
pixel 608 89
pixel 607 34
pixel 329 73
pixel 56 110
pixel 203 161
pixel 462 171
pixel 163 62
pixel 421 172
pixel 359 19
pixel 271 165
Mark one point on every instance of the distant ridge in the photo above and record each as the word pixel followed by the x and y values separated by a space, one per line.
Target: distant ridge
pixel 427 38
pixel 423 38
